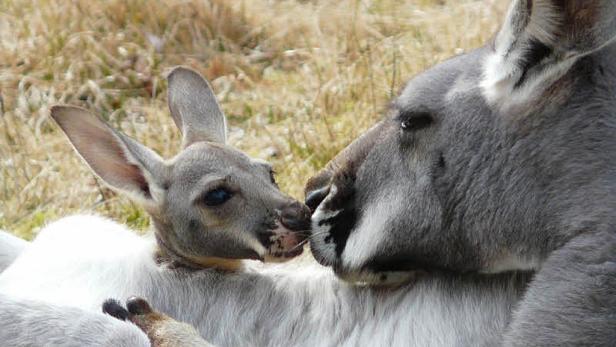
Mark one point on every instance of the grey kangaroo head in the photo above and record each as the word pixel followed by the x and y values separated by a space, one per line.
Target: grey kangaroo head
pixel 486 161
pixel 210 200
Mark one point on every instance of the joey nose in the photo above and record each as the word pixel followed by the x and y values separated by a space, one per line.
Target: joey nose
pixel 295 216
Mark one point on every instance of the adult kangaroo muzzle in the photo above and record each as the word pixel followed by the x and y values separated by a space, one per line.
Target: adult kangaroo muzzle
pixel 500 159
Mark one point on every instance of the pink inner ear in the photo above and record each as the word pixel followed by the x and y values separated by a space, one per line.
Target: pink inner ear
pixel 108 158
pixel 140 181
pixel 128 174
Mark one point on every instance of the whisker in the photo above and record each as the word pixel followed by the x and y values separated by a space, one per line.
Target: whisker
pixel 309 236
pixel 301 244
pixel 319 233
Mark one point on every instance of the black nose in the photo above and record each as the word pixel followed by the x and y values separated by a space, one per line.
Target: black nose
pixel 295 216
pixel 314 198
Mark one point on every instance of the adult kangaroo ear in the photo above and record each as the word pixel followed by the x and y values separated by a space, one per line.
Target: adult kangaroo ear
pixel 194 108
pixel 118 160
pixel 540 41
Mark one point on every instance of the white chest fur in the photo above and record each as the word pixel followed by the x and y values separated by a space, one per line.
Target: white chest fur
pixel 266 305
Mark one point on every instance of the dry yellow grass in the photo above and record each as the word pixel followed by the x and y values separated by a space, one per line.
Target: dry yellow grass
pixel 298 81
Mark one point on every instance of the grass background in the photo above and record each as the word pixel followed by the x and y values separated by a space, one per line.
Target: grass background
pixel 298 80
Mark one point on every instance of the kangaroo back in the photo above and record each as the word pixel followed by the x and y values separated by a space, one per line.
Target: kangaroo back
pixel 10 248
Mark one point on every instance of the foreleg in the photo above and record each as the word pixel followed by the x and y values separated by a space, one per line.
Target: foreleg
pixel 33 323
pixel 572 300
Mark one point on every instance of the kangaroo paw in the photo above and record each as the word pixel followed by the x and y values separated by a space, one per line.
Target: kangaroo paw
pixel 113 308
pixel 162 330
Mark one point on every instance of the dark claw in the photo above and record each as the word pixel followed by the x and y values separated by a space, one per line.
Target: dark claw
pixel 113 308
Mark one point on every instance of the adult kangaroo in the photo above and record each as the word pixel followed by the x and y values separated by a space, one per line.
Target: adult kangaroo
pixel 497 160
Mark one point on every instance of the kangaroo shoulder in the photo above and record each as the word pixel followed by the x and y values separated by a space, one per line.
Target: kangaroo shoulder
pixel 84 228
pixel 77 241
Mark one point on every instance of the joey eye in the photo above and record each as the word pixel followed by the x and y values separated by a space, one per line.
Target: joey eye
pixel 415 121
pixel 217 196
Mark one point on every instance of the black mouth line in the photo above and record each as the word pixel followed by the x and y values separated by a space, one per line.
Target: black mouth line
pixel 340 227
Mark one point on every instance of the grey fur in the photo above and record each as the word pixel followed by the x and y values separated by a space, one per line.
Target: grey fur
pixel 188 231
pixel 292 304
pixel 56 285
pixel 253 220
pixel 28 323
pixel 516 170
pixel 194 108
pixel 12 249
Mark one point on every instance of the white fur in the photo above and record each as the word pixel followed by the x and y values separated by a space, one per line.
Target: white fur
pixel 78 262
pixel 364 241
pixel 28 323
pixel 501 75
pixel 372 227
pixel 502 68
pixel 14 247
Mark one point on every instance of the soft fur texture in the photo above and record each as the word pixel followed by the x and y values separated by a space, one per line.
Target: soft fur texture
pixel 13 246
pixel 500 159
pixel 27 323
pixel 190 268
pixel 78 262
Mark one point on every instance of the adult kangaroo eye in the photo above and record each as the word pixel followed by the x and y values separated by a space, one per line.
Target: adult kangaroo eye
pixel 217 196
pixel 415 122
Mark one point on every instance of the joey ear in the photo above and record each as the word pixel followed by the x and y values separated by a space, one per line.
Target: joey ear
pixel 118 160
pixel 540 41
pixel 194 107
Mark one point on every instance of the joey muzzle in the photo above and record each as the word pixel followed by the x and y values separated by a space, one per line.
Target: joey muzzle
pixel 286 240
